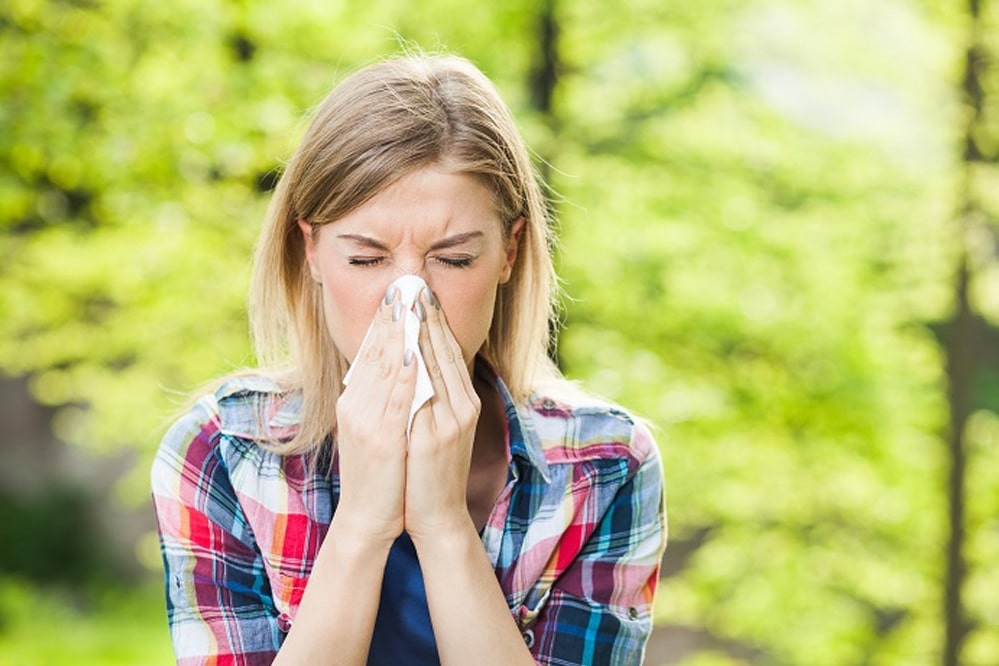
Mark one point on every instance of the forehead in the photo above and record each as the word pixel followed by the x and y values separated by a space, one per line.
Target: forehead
pixel 429 200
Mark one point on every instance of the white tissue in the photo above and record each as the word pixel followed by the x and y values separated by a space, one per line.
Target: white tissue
pixel 409 292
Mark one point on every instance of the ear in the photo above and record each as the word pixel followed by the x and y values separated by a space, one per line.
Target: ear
pixel 512 246
pixel 310 247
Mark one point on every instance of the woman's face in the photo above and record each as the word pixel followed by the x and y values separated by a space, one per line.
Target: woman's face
pixel 438 225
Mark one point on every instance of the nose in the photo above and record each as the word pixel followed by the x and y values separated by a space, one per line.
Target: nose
pixel 411 268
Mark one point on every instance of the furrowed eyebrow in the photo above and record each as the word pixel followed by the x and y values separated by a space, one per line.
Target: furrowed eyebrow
pixel 443 244
pixel 365 241
pixel 454 241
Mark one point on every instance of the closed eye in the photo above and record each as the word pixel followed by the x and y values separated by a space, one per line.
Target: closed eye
pixel 455 262
pixel 365 261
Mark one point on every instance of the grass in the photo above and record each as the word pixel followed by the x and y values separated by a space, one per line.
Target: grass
pixel 111 627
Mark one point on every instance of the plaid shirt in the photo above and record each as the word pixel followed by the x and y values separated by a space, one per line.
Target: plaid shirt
pixel 576 536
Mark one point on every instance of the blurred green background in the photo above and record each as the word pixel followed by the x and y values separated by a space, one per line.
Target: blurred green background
pixel 778 231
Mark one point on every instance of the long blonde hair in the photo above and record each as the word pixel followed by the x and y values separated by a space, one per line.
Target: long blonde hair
pixel 376 126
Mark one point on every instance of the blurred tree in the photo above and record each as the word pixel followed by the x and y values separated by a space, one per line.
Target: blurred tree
pixel 756 222
pixel 138 146
pixel 971 336
pixel 766 188
pixel 963 349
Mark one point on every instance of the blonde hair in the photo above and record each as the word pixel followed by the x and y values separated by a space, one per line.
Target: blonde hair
pixel 377 125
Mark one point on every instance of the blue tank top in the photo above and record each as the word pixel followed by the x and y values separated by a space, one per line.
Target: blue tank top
pixel 403 633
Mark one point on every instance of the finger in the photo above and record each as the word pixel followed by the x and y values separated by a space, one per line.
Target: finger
pixel 423 420
pixel 455 413
pixel 434 371
pixel 446 349
pixel 381 354
pixel 369 349
pixel 400 395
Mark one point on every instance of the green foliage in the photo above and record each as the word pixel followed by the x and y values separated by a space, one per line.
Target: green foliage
pixel 757 232
pixel 50 538
pixel 761 228
pixel 41 626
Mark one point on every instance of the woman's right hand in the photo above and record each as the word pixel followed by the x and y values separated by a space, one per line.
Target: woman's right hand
pixel 372 414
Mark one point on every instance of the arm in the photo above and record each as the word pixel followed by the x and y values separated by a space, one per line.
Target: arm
pixel 472 622
pixel 471 619
pixel 219 602
pixel 337 615
pixel 599 610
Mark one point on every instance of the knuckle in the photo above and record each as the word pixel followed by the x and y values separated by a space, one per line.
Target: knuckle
pixel 469 421
pixel 397 404
pixel 383 370
pixel 343 406
pixel 449 431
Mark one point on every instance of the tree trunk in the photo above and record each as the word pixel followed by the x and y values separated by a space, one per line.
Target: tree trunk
pixel 545 72
pixel 543 79
pixel 962 352
pixel 960 369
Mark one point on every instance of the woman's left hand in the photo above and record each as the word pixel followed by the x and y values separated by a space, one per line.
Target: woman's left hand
pixel 440 444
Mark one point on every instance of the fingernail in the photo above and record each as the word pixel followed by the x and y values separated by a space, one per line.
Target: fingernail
pixel 397 311
pixel 421 312
pixel 407 358
pixel 390 293
pixel 432 299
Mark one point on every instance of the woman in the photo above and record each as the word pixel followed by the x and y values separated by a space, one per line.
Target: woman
pixel 509 520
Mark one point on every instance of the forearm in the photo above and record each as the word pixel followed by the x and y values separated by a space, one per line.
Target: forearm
pixel 472 623
pixel 336 618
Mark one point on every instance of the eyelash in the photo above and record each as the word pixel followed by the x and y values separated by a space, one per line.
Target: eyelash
pixel 462 262
pixel 370 262
pixel 365 262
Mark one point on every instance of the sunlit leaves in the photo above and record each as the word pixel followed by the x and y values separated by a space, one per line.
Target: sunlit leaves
pixel 768 215
pixel 756 227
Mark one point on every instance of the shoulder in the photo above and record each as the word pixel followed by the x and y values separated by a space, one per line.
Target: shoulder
pixel 227 425
pixel 573 426
pixel 258 408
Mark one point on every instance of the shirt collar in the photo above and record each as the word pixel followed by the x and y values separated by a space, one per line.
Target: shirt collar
pixel 257 408
pixel 525 444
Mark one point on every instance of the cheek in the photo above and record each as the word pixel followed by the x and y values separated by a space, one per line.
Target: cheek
pixel 468 309
pixel 349 306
